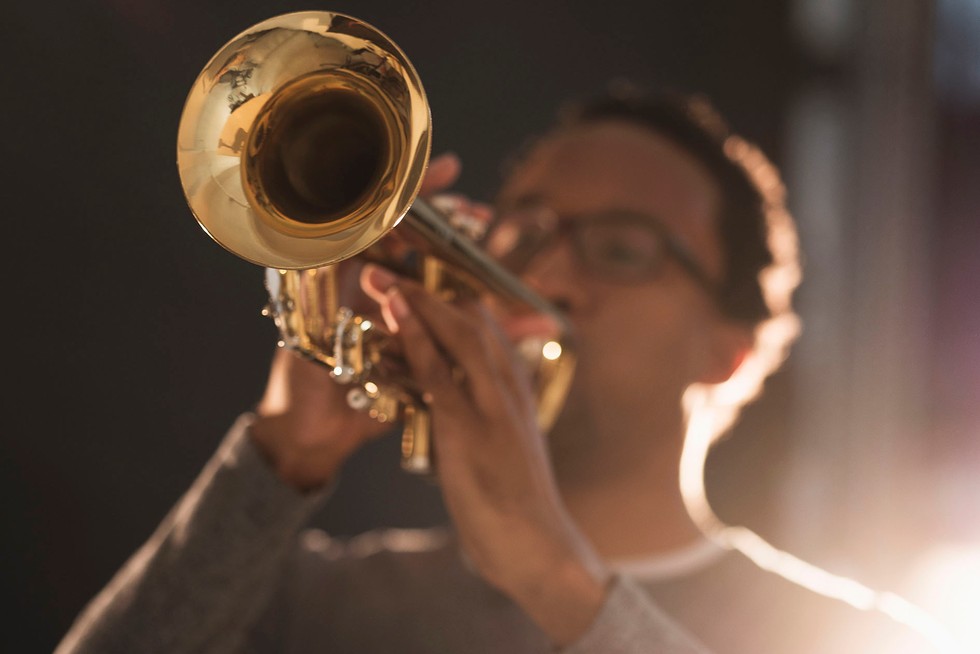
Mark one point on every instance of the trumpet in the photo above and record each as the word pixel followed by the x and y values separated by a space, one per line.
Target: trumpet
pixel 303 142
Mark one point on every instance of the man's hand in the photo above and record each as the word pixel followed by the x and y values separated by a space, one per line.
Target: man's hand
pixel 303 424
pixel 493 465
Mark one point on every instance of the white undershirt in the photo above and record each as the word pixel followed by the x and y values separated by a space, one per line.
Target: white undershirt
pixel 677 563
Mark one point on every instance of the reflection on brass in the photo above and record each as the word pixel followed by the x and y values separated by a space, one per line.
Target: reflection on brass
pixel 302 143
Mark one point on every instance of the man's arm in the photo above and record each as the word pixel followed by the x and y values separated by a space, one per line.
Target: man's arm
pixel 204 577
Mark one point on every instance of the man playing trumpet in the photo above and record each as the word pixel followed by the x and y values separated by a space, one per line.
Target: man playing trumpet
pixel 664 239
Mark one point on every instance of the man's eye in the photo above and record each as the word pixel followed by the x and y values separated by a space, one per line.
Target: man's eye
pixel 621 252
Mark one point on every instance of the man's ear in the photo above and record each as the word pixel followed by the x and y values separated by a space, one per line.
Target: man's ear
pixel 729 344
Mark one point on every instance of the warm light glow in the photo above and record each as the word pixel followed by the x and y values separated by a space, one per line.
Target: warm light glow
pixel 947 582
pixel 366 325
pixel 704 422
pixel 371 388
pixel 551 350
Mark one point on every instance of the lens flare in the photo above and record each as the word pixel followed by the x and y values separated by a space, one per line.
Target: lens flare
pixel 551 350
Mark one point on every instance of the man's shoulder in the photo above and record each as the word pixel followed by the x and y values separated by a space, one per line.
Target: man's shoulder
pixel 736 600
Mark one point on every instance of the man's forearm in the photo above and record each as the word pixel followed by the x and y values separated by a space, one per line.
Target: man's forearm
pixel 205 576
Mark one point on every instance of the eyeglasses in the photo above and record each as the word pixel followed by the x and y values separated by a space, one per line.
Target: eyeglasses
pixel 616 246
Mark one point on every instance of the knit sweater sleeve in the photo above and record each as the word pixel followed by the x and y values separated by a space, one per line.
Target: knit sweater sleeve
pixel 630 623
pixel 203 582
pixel 204 577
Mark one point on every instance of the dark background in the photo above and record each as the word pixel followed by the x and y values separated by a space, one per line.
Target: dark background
pixel 134 340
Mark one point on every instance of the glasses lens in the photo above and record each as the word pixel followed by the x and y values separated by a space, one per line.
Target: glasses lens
pixel 620 250
pixel 616 247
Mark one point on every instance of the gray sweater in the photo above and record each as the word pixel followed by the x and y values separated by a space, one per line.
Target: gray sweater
pixel 225 572
pixel 231 569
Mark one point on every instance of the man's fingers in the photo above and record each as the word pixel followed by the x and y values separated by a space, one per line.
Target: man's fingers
pixel 376 282
pixel 450 343
pixel 469 218
pixel 442 173
pixel 429 366
pixel 471 342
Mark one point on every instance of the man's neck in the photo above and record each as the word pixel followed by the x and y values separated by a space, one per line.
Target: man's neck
pixel 633 506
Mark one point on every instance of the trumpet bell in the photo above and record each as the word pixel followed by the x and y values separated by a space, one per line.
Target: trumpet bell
pixel 304 140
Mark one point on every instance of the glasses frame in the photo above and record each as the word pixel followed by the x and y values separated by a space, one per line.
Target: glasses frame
pixel 554 226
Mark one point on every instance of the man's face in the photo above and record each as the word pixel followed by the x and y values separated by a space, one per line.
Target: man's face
pixel 640 342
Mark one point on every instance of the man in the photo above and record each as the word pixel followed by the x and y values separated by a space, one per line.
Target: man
pixel 665 240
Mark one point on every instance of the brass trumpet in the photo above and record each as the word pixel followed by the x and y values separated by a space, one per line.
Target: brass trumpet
pixel 302 143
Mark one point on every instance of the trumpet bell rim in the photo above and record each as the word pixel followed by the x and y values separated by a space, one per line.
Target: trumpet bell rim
pixel 284 62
